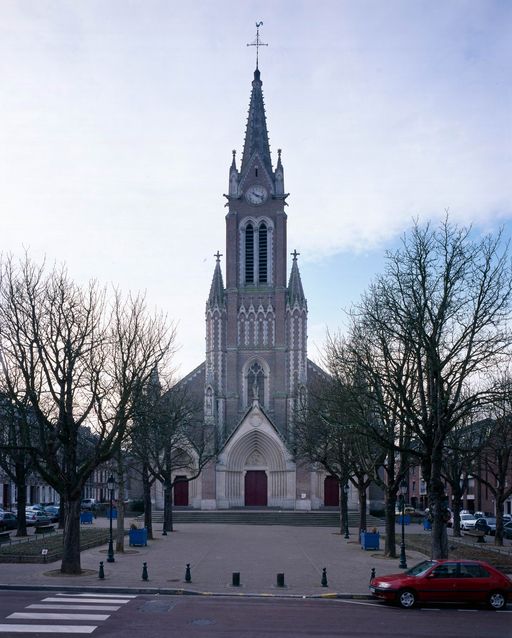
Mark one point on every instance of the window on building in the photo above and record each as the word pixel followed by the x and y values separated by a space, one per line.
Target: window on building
pixel 262 254
pixel 249 254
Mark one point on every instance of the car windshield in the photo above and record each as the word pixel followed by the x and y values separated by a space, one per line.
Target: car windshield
pixel 466 517
pixel 420 568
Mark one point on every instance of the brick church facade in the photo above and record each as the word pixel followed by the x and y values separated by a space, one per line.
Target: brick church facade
pixel 256 368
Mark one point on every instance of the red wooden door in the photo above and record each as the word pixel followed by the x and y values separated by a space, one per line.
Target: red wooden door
pixel 181 492
pixel 331 492
pixel 256 488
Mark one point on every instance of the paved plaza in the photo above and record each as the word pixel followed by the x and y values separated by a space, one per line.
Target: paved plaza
pixel 214 551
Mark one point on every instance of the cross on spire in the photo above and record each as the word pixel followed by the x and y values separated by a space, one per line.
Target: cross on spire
pixel 295 254
pixel 257 43
pixel 218 255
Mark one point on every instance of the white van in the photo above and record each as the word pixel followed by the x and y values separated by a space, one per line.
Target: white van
pixel 88 503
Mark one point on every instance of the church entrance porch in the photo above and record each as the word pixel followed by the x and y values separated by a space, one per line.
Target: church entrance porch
pixel 256 488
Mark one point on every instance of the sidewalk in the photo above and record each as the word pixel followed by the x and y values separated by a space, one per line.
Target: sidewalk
pixel 214 552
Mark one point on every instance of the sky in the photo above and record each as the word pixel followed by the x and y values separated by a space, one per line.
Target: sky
pixel 118 118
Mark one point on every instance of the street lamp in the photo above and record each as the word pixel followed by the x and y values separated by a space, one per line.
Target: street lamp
pixel 403 492
pixel 111 483
pixel 346 489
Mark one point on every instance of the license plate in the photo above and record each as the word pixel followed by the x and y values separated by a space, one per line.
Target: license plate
pixel 373 590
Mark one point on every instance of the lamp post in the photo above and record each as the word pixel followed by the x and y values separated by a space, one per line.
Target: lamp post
pixel 111 483
pixel 346 489
pixel 403 560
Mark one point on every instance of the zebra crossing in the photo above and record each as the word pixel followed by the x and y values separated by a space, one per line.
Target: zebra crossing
pixel 68 608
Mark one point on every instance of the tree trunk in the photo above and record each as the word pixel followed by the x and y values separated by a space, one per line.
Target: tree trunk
pixel 457 506
pixel 500 498
pixel 437 503
pixel 168 506
pixel 390 542
pixel 344 500
pixel 342 518
pixel 146 495
pixel 71 536
pixel 21 485
pixel 361 492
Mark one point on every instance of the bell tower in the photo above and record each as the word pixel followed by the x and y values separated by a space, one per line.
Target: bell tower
pixel 256 324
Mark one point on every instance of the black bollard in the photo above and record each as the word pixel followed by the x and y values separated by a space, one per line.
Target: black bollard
pixel 236 579
pixel 188 577
pixel 280 580
pixel 101 573
pixel 372 574
pixel 324 577
pixel 145 571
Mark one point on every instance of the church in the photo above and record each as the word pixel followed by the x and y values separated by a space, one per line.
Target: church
pixel 256 368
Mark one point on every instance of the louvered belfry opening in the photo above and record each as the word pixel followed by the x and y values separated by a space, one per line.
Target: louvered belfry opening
pixel 262 254
pixel 249 254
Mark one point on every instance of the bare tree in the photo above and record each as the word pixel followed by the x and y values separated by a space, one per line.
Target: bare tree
pixel 436 322
pixel 324 432
pixel 15 452
pixel 464 444
pixel 78 356
pixel 495 467
pixel 384 435
pixel 178 443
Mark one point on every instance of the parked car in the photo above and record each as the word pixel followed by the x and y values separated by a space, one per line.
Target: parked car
pixel 462 581
pixel 35 517
pixel 53 511
pixel 467 521
pixel 507 530
pixel 37 507
pixel 8 520
pixel 486 524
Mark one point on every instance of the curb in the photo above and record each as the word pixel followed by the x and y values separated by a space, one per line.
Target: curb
pixel 164 591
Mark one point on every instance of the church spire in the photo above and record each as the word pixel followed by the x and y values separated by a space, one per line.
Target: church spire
pixel 216 297
pixel 295 290
pixel 256 134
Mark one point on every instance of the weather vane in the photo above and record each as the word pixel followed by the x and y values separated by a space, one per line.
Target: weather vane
pixel 257 43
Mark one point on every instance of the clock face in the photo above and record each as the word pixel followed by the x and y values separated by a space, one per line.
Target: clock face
pixel 256 194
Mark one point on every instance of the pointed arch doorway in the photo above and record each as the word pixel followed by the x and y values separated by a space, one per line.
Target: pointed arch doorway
pixel 256 488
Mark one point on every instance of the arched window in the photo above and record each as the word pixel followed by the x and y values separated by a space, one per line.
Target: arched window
pixel 262 254
pixel 249 254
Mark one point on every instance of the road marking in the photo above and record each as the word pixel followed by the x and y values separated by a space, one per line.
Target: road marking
pixel 48 629
pixel 358 602
pixel 86 595
pixel 467 610
pixel 119 601
pixel 34 615
pixel 77 607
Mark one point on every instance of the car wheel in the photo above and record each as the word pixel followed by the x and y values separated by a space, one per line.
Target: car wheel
pixel 406 598
pixel 497 600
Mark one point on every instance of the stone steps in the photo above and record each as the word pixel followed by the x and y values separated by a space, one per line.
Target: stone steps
pixel 265 517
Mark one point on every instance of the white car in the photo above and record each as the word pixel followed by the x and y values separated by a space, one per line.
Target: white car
pixel 467 521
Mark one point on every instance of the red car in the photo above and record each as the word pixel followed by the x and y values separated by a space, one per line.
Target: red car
pixel 448 581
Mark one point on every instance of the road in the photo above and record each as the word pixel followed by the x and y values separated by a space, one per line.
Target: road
pixel 52 614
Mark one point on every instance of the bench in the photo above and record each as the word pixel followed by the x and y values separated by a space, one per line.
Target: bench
pixel 479 534
pixel 5 537
pixel 44 529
